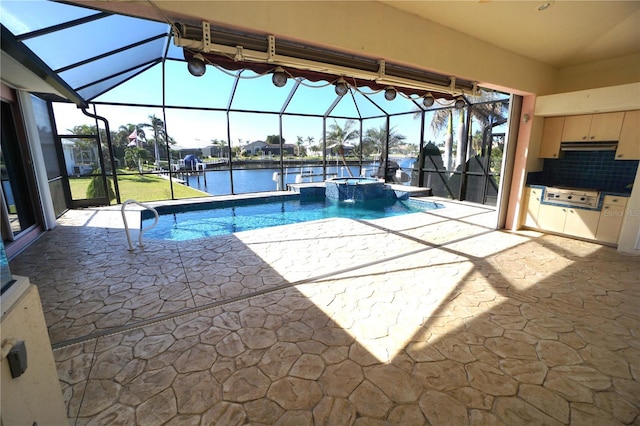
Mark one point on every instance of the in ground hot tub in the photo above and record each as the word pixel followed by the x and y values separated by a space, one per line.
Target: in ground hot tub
pixel 354 189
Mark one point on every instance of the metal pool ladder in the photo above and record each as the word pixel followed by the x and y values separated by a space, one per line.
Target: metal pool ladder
pixel 143 230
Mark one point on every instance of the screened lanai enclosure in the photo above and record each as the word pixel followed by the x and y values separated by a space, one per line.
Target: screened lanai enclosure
pixel 168 110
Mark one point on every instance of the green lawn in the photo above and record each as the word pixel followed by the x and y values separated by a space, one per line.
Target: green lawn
pixel 138 187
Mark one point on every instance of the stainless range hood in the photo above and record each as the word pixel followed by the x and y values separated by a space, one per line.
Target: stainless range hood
pixel 588 146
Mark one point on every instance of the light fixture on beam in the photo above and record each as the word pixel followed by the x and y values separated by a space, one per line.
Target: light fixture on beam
pixel 459 103
pixel 390 93
pixel 272 57
pixel 341 87
pixel 428 100
pixel 279 77
pixel 196 65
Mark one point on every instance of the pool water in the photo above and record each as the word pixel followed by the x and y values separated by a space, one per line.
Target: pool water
pixel 184 223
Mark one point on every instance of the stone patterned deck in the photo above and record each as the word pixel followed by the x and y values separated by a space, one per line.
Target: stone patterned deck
pixel 423 319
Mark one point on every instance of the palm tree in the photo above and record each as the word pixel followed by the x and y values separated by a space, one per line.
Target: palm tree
pixel 219 144
pixel 310 140
pixel 159 135
pixel 339 136
pixel 375 140
pixel 485 112
pixel 299 144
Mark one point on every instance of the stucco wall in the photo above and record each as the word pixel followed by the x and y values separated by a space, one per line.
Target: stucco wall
pixel 35 397
pixel 380 31
pixel 612 72
pixel 372 29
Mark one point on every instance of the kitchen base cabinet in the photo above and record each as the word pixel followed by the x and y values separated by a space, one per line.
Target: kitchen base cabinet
pixel 552 218
pixel 564 220
pixel 609 224
pixel 581 223
pixel 533 197
pixel 603 226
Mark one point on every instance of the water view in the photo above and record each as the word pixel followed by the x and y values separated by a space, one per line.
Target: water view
pixel 217 182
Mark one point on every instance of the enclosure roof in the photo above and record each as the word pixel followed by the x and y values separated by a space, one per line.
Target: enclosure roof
pixel 85 54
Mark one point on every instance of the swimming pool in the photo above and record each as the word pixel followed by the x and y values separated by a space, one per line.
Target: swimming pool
pixel 188 222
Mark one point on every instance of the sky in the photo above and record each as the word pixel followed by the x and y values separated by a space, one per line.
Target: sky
pixel 196 128
pixel 207 98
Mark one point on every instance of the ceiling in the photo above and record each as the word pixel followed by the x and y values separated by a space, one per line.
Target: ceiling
pixel 567 33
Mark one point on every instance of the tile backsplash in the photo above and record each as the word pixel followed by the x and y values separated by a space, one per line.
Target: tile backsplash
pixel 589 169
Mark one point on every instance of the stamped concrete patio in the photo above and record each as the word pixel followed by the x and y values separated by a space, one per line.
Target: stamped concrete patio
pixel 431 318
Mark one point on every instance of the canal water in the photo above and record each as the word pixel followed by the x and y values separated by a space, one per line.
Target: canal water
pixel 217 182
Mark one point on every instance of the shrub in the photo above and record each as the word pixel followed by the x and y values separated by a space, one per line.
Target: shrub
pixel 96 188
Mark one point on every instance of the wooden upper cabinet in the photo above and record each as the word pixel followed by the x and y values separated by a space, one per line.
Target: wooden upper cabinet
pixel 606 127
pixel 592 128
pixel 576 128
pixel 551 137
pixel 629 142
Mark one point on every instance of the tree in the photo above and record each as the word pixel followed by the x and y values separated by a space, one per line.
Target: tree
pixel 134 156
pixel 160 137
pixel 339 136
pixel 440 119
pixel 121 141
pixel 299 143
pixel 85 150
pixel 274 140
pixel 375 140
pixel 220 145
pixel 485 112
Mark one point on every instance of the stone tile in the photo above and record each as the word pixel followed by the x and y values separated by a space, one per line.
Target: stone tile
pixel 569 389
pixel 490 380
pixel 406 414
pixel 370 401
pixel 334 411
pixel 195 392
pixel 292 393
pixel 606 361
pixel 440 408
pixel 497 325
pixel 157 410
pixel 262 411
pixel 147 385
pixel 546 401
pixel 557 353
pixel 245 385
pixel 397 384
pixel 341 379
pixel 514 411
pixel 472 398
pixel 308 366
pixel 441 375
pixel 525 371
pixel 102 394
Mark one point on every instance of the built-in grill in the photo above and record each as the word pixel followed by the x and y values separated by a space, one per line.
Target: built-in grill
pixel 572 197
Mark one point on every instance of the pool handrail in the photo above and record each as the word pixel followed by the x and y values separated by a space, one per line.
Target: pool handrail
pixel 143 230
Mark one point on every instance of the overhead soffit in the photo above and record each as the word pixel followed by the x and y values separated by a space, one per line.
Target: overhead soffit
pixel 568 33
pixel 100 56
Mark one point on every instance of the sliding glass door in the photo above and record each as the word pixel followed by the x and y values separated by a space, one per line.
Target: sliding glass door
pixel 18 192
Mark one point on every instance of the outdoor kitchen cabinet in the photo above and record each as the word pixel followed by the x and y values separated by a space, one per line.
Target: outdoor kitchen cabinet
pixel 611 219
pixel 581 223
pixel 629 142
pixel 551 137
pixel 533 197
pixel 570 221
pixel 592 128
